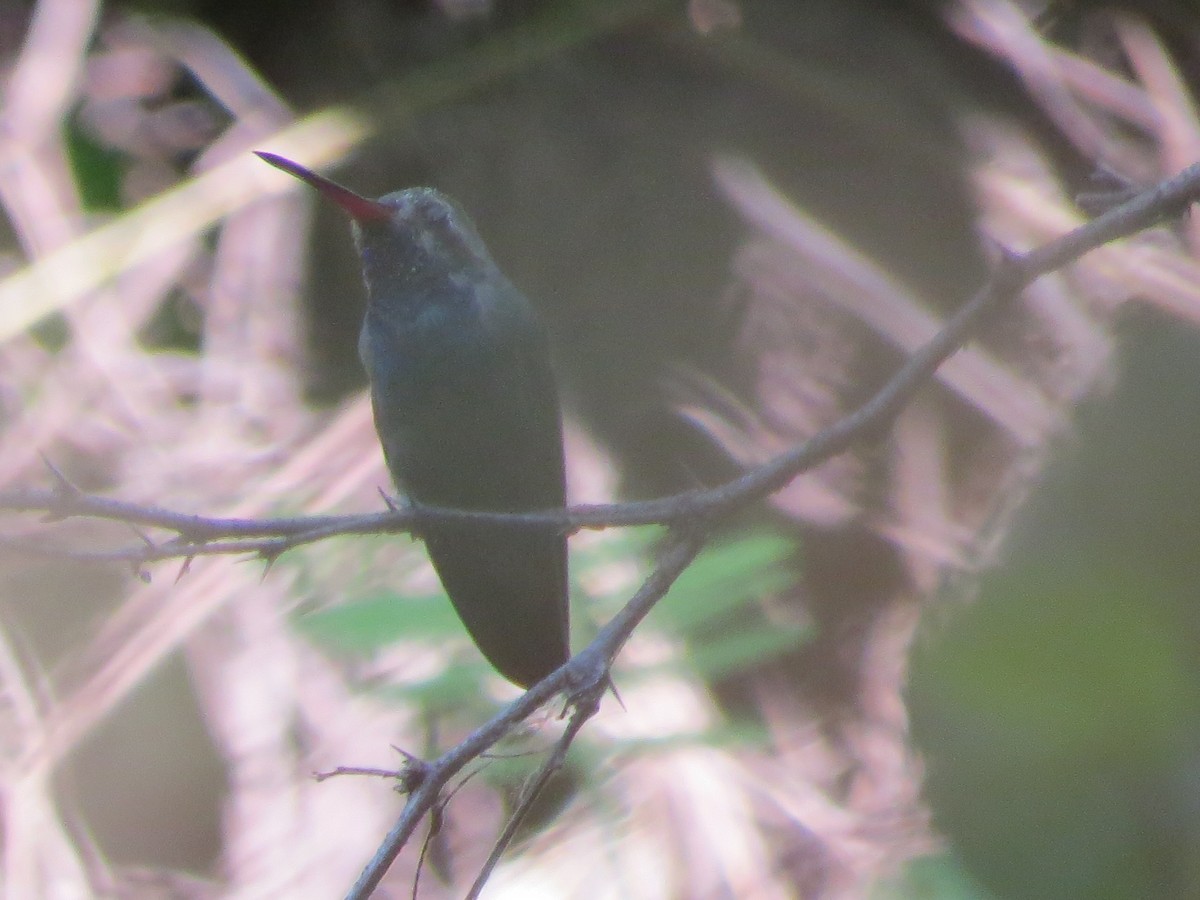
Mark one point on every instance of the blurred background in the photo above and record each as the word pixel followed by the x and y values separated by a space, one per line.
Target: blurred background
pixel 957 663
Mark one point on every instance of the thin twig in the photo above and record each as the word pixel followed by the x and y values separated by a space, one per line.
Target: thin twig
pixel 584 710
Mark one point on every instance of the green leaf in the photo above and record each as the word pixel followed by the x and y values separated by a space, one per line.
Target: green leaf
pixel 97 171
pixel 743 648
pixel 931 878
pixel 364 626
pixel 724 579
pixel 457 690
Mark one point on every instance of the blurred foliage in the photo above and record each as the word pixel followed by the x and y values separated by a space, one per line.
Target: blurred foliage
pixel 722 589
pixel 939 877
pixel 1060 713
pixel 714 607
pixel 725 586
pixel 97 171
pixel 361 627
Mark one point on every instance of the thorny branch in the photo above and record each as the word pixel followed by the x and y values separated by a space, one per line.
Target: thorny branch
pixel 205 536
pixel 585 708
pixel 584 677
pixel 689 515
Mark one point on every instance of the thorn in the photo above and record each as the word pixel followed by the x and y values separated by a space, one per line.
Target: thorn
pixel 354 770
pixel 389 502
pixel 184 569
pixel 413 773
pixel 62 484
pixel 612 686
pixel 268 556
pixel 64 490
pixel 416 509
pixel 1005 255
pixel 586 685
pixel 145 537
pixel 1010 265
pixel 140 573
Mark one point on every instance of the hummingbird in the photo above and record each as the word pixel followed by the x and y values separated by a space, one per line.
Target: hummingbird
pixel 467 412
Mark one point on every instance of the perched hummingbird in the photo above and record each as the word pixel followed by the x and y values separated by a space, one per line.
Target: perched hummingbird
pixel 467 412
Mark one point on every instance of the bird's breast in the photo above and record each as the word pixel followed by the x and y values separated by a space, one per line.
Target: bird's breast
pixel 429 348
